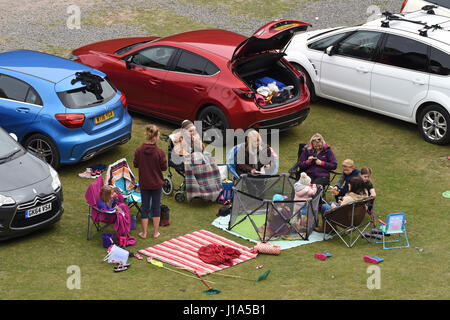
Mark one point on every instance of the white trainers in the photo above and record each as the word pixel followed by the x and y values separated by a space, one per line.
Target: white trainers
pixel 87 174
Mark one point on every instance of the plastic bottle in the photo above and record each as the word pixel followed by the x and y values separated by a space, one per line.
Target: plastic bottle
pixel 133 223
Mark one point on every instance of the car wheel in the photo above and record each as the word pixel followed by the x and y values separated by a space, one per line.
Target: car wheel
pixel 309 83
pixel 214 121
pixel 43 147
pixel 434 123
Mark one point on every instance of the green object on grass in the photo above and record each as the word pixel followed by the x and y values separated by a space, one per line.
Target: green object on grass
pixel 446 194
pixel 263 276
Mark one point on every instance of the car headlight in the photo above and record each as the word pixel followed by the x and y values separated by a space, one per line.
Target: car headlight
pixel 4 200
pixel 56 183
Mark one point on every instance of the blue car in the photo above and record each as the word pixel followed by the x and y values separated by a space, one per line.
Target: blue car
pixel 62 111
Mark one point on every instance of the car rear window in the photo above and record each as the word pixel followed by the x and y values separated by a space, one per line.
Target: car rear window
pixel 83 98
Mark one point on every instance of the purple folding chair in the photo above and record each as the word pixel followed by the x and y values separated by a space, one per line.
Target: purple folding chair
pixel 97 217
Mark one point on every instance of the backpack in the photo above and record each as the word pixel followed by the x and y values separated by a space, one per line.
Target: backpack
pixel 164 221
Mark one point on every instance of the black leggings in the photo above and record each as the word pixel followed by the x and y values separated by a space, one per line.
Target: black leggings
pixel 151 198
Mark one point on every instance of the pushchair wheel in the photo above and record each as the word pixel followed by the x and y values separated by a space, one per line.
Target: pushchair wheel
pixel 167 187
pixel 180 196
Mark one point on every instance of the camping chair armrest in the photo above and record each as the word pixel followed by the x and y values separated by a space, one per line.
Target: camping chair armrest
pixel 103 210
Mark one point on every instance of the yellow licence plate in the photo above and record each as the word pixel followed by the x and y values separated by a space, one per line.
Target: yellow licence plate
pixel 104 117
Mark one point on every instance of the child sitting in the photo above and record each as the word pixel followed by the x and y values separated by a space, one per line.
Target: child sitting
pixel 349 171
pixel 276 219
pixel 108 199
pixel 356 191
pixel 304 190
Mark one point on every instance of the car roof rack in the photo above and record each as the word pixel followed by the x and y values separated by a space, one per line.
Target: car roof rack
pixel 91 81
pixel 429 8
pixel 423 32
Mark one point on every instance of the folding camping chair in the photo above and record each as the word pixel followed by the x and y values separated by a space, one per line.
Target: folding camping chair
pixel 395 224
pixel 100 219
pixel 350 217
pixel 231 161
pixel 119 175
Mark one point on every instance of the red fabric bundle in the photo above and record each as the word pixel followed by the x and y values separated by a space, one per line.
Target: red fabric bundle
pixel 217 254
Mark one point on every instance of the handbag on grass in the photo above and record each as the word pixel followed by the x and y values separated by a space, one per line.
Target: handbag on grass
pixel 117 255
pixel 164 221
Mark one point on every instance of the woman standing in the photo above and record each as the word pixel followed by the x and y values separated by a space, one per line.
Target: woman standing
pixel 151 162
pixel 317 160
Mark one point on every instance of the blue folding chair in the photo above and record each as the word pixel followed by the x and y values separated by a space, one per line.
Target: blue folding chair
pixel 231 161
pixel 119 175
pixel 395 224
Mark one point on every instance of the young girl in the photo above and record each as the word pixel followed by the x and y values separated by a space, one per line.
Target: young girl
pixel 151 162
pixel 108 199
pixel 303 190
pixel 366 172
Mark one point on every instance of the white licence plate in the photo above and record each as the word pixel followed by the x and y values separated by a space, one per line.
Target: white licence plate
pixel 38 210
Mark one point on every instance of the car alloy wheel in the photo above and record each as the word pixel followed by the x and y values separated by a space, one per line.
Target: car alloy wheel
pixel 44 148
pixel 434 123
pixel 214 122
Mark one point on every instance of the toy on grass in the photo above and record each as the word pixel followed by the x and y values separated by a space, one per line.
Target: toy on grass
pixel 446 194
pixel 210 289
pixel 267 248
pixel 374 259
pixel 159 264
pixel 323 256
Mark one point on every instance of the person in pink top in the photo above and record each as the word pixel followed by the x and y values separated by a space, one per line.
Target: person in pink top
pixel 304 190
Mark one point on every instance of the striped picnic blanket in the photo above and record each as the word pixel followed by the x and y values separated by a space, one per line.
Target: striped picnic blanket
pixel 183 251
pixel 202 177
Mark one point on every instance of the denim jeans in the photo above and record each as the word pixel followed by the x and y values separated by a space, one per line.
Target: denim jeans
pixel 327 206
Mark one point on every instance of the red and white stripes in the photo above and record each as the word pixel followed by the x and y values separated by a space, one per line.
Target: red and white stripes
pixel 182 251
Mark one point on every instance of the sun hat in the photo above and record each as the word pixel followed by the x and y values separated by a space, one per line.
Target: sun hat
pixel 278 197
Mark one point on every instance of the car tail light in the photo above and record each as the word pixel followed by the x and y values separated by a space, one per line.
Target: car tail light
pixel 403 5
pixel 70 120
pixel 244 93
pixel 123 100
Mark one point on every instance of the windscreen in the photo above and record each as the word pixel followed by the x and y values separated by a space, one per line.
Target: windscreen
pixel 8 146
pixel 84 98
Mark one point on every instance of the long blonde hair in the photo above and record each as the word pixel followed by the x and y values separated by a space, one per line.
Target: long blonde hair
pixel 106 194
pixel 252 136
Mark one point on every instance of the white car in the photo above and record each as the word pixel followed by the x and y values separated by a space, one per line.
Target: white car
pixel 442 7
pixel 390 66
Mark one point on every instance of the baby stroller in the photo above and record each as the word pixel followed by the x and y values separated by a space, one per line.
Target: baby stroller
pixel 168 188
pixel 204 185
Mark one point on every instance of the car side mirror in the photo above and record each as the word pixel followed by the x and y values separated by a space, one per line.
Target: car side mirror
pixel 330 50
pixel 14 136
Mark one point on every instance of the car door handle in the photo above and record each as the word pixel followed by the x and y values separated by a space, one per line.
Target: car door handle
pixel 419 82
pixel 23 110
pixel 362 69
pixel 154 81
pixel 199 88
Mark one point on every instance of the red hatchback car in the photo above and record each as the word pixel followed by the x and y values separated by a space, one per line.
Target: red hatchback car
pixel 208 75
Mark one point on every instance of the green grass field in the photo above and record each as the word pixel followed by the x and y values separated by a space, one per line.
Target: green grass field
pixel 409 176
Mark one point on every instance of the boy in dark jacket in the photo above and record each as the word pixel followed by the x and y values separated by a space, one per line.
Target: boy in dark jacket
pixel 349 171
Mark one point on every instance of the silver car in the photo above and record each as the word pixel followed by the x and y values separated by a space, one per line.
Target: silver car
pixel 30 190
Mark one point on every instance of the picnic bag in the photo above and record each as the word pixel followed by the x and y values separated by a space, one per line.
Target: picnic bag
pixel 164 221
